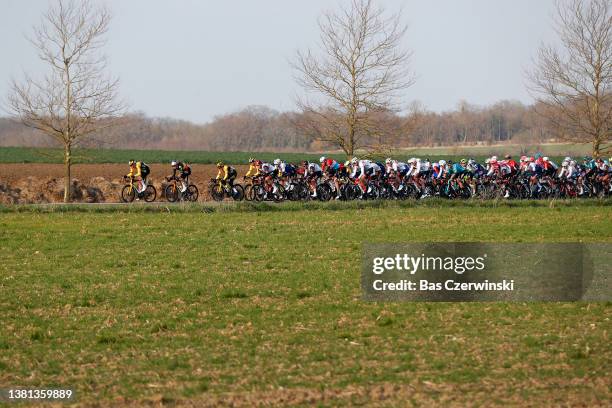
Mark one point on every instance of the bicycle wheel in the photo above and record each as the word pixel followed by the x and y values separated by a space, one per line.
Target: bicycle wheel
pixel 412 191
pixel 352 192
pixel 238 192
pixel 304 192
pixel 128 194
pixel 259 193
pixel 292 192
pixel 171 193
pixel 192 193
pixel 386 192
pixel 150 194
pixel 372 192
pixel 217 192
pixel 252 193
pixel 323 192
pixel 248 192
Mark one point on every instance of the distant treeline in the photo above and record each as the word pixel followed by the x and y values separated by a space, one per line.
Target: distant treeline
pixel 259 128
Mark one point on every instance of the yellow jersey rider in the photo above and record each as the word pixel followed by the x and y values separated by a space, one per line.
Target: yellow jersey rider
pixel 254 168
pixel 227 174
pixel 139 172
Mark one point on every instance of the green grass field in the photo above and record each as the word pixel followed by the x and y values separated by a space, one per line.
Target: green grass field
pixel 49 155
pixel 247 306
pixel 553 150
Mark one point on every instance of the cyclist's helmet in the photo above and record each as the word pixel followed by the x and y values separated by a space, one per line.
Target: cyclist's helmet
pixel 347 163
pixel 463 161
pixel 567 159
pixel 507 157
pixel 277 162
pixel 488 161
pixel 251 160
pixel 585 158
pixel 220 164
pixel 565 163
pixel 131 162
pixel 545 158
pixel 322 159
pixel 538 155
pixel 494 158
pixel 305 163
pixel 471 161
pixel 442 162
pixel 173 163
pixel 388 161
pixel 354 160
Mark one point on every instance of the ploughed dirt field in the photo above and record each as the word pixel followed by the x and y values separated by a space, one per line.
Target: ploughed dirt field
pixel 44 183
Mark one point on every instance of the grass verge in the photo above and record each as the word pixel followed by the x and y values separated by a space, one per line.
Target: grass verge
pixel 244 306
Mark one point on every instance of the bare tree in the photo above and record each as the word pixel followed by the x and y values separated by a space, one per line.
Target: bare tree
pixel 573 83
pixel 359 73
pixel 76 98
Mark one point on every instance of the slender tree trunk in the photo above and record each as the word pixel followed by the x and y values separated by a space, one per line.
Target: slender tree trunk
pixel 67 180
pixel 350 145
pixel 351 142
pixel 596 147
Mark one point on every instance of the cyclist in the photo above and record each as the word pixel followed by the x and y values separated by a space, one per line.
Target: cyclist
pixel 549 167
pixel 396 171
pixel 283 169
pixel 420 170
pixel 524 165
pixel 442 169
pixel 266 170
pixel 183 170
pixel 344 170
pixel 475 168
pixel 494 167
pixel 397 168
pixel 254 168
pixel 456 170
pixel 510 162
pixel 588 164
pixel 539 159
pixel 284 172
pixel 313 174
pixel 603 171
pixel 226 174
pixel 139 171
pixel 331 167
pixel 568 171
pixel 411 166
pixel 364 169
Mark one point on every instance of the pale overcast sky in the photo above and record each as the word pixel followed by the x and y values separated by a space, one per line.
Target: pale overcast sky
pixel 194 59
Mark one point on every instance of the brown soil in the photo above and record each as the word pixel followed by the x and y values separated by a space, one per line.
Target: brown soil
pixel 44 183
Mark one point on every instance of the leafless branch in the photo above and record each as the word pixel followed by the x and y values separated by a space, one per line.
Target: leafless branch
pixel 573 84
pixel 76 98
pixel 360 71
